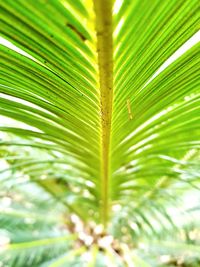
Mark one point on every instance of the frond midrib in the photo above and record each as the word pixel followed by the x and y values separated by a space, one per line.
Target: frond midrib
pixel 103 11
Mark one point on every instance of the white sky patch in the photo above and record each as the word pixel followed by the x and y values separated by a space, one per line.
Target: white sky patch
pixel 70 7
pixel 190 154
pixel 8 122
pixel 4 241
pixel 184 48
pixel 2 134
pixel 31 93
pixel 171 159
pixel 145 124
pixel 118 28
pixel 90 184
pixel 3 164
pixel 143 142
pixel 13 47
pixel 140 150
pixel 24 102
pixel 117 6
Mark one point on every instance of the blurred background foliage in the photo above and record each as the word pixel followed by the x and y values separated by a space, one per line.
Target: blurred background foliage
pixel 37 227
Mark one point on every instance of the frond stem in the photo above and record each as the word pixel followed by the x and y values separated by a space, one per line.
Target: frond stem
pixel 104 31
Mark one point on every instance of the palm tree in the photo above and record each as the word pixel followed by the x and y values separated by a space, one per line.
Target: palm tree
pixel 99 105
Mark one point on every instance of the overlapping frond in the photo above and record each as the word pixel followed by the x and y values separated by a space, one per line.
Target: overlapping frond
pixel 54 88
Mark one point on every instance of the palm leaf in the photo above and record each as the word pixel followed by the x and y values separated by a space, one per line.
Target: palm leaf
pixel 104 112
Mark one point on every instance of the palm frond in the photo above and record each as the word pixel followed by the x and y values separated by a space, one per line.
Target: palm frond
pixel 99 119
